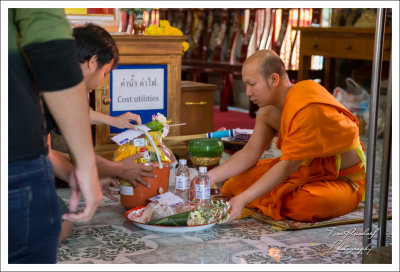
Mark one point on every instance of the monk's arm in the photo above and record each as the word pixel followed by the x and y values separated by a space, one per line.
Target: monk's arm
pixel 267 123
pixel 236 164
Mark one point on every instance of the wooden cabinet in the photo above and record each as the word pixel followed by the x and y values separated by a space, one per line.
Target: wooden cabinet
pixel 197 102
pixel 337 43
pixel 133 50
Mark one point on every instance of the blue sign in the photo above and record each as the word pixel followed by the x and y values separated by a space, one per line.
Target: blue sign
pixel 140 89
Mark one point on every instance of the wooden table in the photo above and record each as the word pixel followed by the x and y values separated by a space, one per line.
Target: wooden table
pixel 227 70
pixel 337 43
pixel 197 102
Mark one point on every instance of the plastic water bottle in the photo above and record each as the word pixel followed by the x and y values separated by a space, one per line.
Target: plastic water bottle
pixel 202 188
pixel 182 180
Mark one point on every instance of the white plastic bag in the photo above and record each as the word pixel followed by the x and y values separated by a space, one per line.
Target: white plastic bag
pixel 356 99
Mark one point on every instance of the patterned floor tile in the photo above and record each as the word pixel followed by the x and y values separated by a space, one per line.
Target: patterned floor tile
pixel 301 253
pixel 109 238
pixel 102 243
pixel 194 253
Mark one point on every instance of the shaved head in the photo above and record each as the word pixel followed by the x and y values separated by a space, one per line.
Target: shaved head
pixel 268 62
pixel 267 82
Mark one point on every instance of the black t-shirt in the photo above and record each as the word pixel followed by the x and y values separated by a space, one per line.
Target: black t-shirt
pixel 27 135
pixel 41 58
pixel 50 123
pixel 26 138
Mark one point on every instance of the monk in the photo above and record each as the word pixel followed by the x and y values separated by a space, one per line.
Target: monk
pixel 321 172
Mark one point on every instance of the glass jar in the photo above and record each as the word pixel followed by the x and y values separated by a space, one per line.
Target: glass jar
pixel 139 25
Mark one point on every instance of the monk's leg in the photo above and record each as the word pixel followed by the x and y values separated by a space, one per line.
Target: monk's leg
pixel 237 184
pixel 321 200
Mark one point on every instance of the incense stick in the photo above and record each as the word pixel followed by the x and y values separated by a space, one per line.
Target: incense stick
pixel 175 125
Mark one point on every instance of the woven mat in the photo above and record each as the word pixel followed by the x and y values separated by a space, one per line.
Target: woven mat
pixel 356 216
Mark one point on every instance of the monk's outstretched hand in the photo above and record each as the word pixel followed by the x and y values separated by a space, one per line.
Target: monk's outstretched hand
pixel 237 206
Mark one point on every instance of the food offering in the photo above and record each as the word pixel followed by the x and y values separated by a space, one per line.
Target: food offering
pixel 215 212
pixel 178 216
pixel 155 154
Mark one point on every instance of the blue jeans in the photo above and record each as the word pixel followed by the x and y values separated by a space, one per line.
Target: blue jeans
pixel 34 221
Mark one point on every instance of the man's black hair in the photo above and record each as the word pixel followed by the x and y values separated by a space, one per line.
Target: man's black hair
pixel 93 40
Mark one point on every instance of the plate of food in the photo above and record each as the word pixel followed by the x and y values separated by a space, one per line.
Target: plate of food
pixel 150 217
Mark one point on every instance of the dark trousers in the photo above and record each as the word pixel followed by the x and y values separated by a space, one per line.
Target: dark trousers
pixel 34 221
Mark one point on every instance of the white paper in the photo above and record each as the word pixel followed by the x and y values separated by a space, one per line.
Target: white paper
pixel 167 199
pixel 129 135
pixel 137 89
pixel 126 190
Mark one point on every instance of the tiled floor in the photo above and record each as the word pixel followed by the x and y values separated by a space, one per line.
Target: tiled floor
pixel 110 238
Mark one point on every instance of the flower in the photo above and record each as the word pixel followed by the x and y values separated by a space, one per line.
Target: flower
pixel 190 222
pixel 164 23
pixel 195 215
pixel 185 46
pixel 162 120
pixel 165 28
pixel 216 212
pixel 153 30
pixel 196 218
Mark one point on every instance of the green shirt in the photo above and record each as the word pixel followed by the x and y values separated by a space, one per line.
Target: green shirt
pixel 41 57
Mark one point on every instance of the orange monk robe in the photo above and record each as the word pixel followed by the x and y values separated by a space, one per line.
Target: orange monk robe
pixel 315 127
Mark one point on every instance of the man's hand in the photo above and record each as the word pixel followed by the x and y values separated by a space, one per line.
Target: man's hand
pixel 134 172
pixel 87 183
pixel 237 206
pixel 123 121
pixel 106 184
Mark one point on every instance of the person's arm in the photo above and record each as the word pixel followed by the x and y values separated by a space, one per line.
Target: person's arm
pixel 46 38
pixel 121 121
pixel 75 127
pixel 249 155
pixel 272 178
pixel 126 169
pixel 62 166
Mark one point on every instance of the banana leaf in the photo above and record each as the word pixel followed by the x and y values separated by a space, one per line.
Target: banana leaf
pixel 154 125
pixel 179 219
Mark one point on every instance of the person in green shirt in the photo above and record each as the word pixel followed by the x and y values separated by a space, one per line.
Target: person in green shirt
pixel 43 68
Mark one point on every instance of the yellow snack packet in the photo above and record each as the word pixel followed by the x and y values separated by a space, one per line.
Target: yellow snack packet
pixel 125 151
pixel 156 135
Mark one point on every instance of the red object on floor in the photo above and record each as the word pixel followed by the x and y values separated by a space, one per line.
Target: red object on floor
pixel 232 119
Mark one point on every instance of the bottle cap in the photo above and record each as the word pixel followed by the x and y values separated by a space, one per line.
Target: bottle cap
pixel 182 162
pixel 202 169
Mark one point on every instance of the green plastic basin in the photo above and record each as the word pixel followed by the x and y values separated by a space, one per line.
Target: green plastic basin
pixel 205 147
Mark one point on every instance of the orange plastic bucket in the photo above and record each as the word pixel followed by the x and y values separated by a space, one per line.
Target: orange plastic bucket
pixel 134 197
